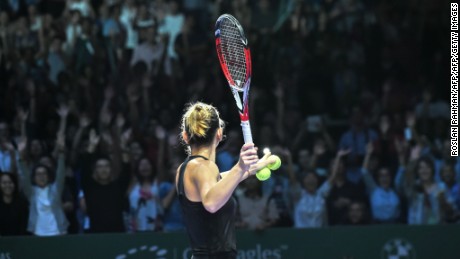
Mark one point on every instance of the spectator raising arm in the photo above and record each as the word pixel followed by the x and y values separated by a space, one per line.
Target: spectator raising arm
pixel 133 97
pixel 368 179
pixel 84 122
pixel 30 85
pixel 63 112
pixel 340 154
pixel 24 171
pixel 60 171
pixel 23 115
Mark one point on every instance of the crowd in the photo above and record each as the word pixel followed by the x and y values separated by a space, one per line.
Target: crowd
pixel 347 92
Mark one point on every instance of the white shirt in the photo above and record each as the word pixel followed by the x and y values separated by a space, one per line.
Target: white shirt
pixel 310 210
pixel 255 212
pixel 172 25
pixel 72 33
pixel 127 18
pixel 145 209
pixel 81 6
pixel 147 53
pixel 46 221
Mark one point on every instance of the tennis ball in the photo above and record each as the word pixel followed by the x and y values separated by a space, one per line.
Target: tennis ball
pixel 263 174
pixel 276 164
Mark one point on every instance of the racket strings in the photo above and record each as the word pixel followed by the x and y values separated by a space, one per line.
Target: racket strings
pixel 233 52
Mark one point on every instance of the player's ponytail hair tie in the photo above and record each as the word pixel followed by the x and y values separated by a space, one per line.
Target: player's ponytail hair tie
pixel 200 122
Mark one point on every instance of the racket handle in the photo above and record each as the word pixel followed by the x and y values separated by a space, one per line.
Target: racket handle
pixel 247 135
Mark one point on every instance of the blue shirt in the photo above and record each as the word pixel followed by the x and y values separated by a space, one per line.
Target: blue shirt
pixel 5 161
pixel 225 161
pixel 453 195
pixel 110 25
pixel 357 141
pixel 439 163
pixel 172 220
pixel 385 204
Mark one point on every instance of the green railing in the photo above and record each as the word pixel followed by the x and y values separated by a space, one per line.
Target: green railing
pixel 389 242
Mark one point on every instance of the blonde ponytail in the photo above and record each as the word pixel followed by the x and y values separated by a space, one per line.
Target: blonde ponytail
pixel 200 122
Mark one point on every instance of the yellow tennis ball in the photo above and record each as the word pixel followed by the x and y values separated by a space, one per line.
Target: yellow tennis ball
pixel 263 174
pixel 276 164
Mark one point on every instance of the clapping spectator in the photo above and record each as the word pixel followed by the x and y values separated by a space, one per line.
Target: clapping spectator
pixel 426 198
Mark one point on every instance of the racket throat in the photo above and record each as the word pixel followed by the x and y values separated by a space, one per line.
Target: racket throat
pixel 237 97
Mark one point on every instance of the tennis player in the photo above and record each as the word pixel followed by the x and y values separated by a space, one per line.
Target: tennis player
pixel 205 194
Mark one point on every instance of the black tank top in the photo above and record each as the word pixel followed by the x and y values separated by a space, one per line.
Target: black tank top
pixel 211 235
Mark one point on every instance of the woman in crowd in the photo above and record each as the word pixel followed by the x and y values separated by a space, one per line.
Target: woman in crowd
pixel 256 210
pixel 144 199
pixel 172 219
pixel 46 216
pixel 13 207
pixel 384 200
pixel 309 200
pixel 426 198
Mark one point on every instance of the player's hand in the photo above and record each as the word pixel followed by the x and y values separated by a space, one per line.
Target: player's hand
pixel 263 162
pixel 248 157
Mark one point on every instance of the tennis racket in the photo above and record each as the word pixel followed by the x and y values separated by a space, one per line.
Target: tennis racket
pixel 235 61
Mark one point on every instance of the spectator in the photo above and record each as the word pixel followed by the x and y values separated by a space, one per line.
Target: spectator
pixel 144 198
pixel 6 149
pixel 172 218
pixel 309 200
pixel 13 207
pixel 104 183
pixel 343 193
pixel 149 52
pixel 228 153
pixel 278 187
pixel 426 198
pixel 73 31
pixel 46 215
pixel 82 6
pixel 255 210
pixel 357 214
pixel 385 203
pixel 171 26
pixel 356 139
pixel 127 18
pixel 450 184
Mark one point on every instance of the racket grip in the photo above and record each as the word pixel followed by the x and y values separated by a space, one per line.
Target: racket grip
pixel 247 135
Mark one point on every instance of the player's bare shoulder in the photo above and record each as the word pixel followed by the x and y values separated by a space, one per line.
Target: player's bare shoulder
pixel 203 168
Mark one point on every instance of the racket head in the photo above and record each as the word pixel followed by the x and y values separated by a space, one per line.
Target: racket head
pixel 233 52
